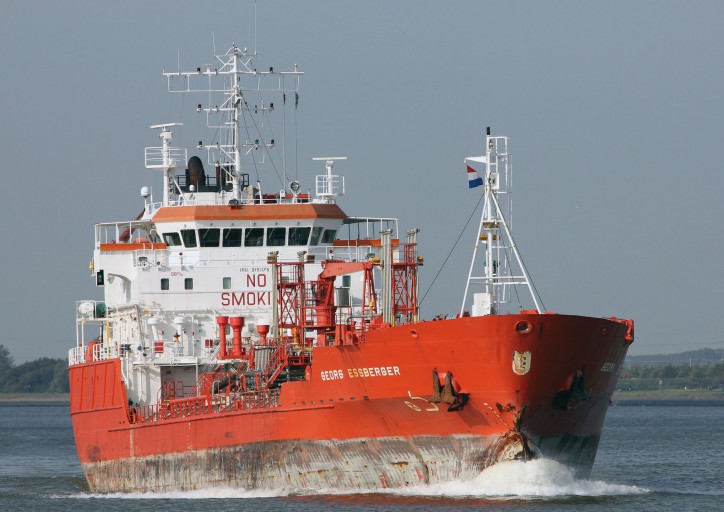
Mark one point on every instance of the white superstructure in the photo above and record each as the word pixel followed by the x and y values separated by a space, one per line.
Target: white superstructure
pixel 207 251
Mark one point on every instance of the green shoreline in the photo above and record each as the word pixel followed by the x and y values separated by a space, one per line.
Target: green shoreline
pixel 656 395
pixel 619 396
pixel 34 398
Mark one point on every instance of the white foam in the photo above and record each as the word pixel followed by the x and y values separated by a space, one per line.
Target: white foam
pixel 539 478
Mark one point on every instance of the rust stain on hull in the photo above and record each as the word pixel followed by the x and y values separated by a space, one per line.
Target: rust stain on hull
pixel 303 464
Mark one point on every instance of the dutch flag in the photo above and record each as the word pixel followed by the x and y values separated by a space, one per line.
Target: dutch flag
pixel 474 179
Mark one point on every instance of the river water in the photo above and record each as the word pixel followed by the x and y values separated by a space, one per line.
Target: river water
pixel 652 456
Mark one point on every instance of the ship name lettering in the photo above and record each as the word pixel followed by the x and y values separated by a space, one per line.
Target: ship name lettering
pixel 375 371
pixel 247 298
pixel 332 375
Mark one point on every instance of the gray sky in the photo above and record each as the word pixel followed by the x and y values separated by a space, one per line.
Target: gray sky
pixel 615 111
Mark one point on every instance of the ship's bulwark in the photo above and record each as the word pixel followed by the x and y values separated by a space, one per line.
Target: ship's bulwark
pixel 539 393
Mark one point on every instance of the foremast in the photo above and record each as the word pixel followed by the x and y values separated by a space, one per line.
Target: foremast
pixel 503 268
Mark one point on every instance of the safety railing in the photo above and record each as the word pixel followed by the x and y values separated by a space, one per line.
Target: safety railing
pixel 138 351
pixel 204 405
pixel 165 158
pixel 76 355
pixel 96 351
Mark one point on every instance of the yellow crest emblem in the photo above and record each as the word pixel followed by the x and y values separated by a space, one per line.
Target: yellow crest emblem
pixel 521 362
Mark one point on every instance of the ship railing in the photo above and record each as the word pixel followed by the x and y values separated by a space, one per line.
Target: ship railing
pixel 189 200
pixel 135 231
pixel 368 228
pixel 204 383
pixel 76 355
pixel 341 252
pixel 357 250
pixel 175 390
pixel 245 400
pixel 220 198
pixel 111 351
pixel 352 250
pixel 329 186
pixel 169 349
pixel 98 352
pixel 276 361
pixel 320 253
pixel 165 158
pixel 170 409
pixel 211 352
pixel 151 207
pixel 204 405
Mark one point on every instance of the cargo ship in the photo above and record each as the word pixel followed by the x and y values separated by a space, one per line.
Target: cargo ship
pixel 253 335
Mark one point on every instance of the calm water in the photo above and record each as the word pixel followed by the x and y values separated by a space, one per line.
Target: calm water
pixel 652 457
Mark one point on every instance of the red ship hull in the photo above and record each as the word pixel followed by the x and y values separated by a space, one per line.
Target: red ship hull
pixel 365 418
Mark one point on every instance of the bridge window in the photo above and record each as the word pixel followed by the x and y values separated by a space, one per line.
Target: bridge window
pixel 328 236
pixel 209 237
pixel 189 283
pixel 164 282
pixel 316 233
pixel 254 237
pixel 276 237
pixel 189 237
pixel 227 283
pixel 232 237
pixel 172 239
pixel 299 236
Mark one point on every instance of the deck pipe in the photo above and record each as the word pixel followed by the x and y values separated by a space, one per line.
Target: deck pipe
pixel 263 330
pixel 237 323
pixel 222 322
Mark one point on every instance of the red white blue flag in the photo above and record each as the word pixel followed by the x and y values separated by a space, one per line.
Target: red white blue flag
pixel 474 179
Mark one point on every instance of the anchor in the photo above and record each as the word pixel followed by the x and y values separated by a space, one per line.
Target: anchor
pixel 447 393
pixel 575 395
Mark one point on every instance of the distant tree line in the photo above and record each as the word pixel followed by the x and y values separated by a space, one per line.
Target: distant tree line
pixel 43 375
pixel 47 375
pixel 698 357
pixel 672 376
